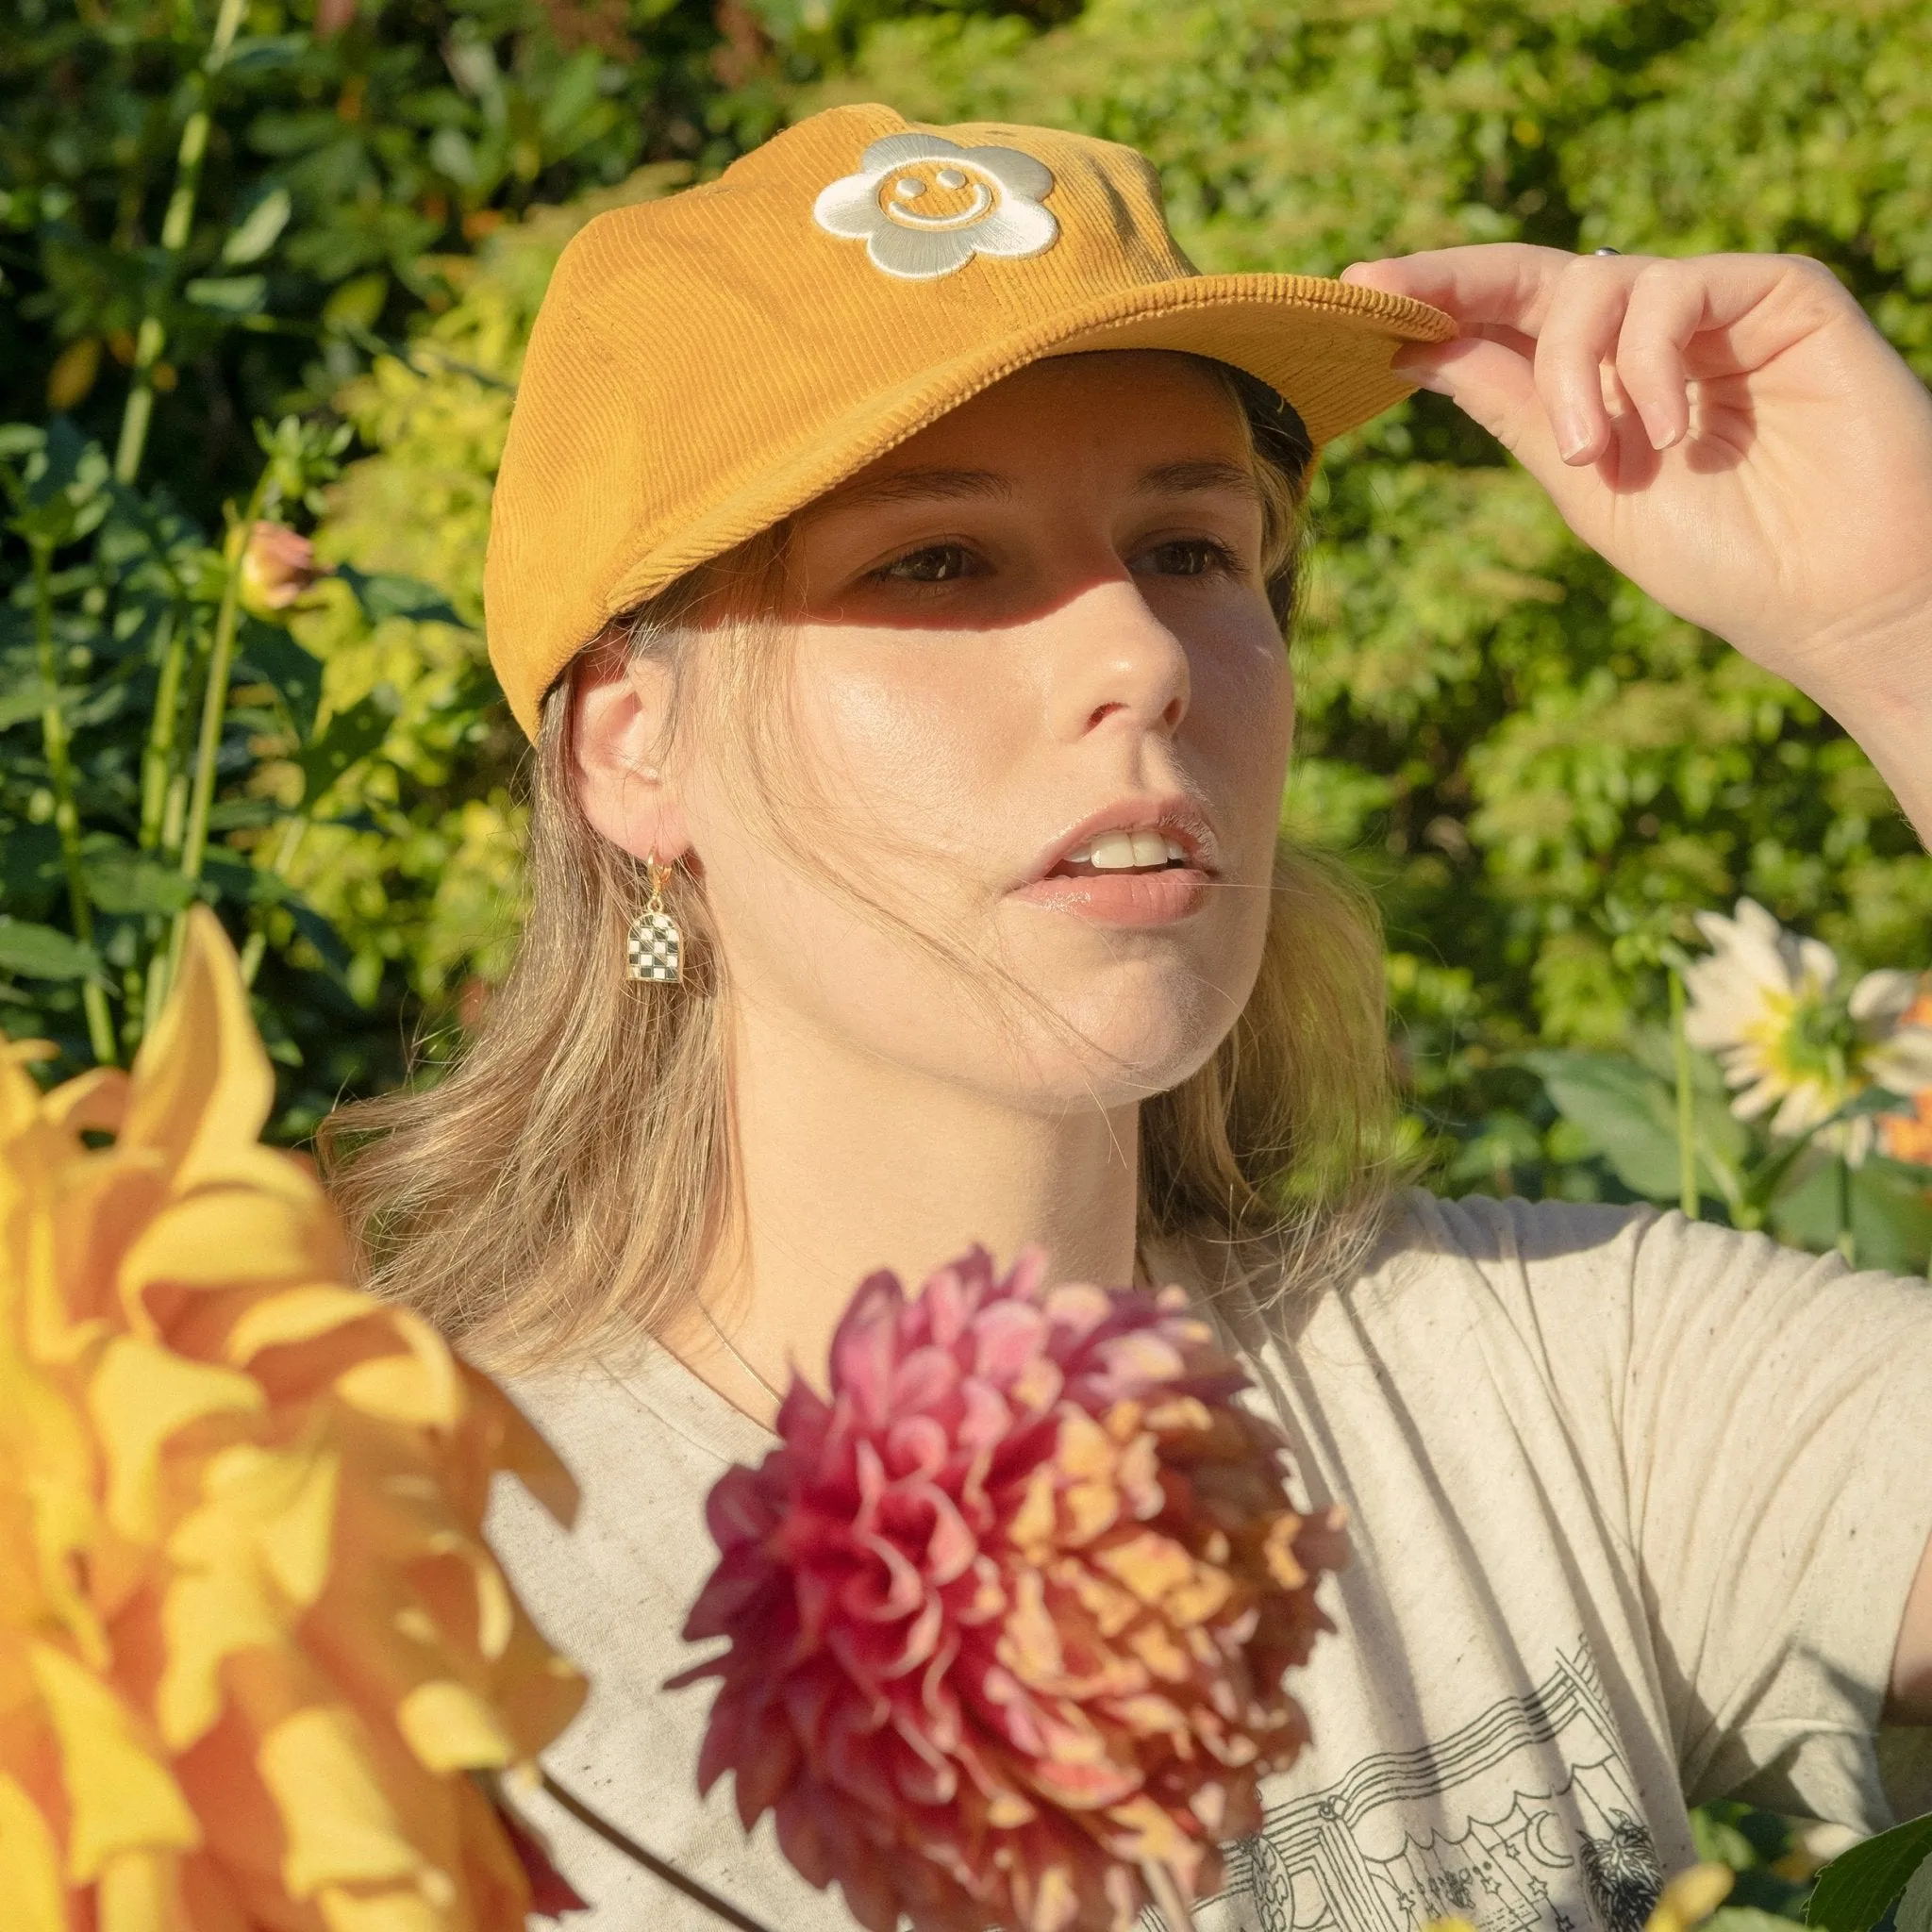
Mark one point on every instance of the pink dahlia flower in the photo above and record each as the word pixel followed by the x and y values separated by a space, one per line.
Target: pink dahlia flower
pixel 1009 1615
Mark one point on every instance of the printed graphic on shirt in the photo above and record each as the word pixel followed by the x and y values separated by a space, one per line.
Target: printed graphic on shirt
pixel 1529 1822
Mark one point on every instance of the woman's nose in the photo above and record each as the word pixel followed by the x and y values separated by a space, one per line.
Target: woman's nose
pixel 1110 656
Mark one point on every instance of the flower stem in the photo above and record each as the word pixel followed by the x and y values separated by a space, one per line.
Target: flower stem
pixel 94 997
pixel 214 708
pixel 158 755
pixel 159 786
pixel 1847 1235
pixel 719 1907
pixel 293 831
pixel 177 224
pixel 1172 1908
pixel 1687 1110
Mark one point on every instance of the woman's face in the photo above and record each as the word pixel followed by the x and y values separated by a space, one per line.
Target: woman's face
pixel 1041 694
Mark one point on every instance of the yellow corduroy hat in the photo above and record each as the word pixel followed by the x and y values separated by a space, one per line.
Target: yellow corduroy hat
pixel 705 365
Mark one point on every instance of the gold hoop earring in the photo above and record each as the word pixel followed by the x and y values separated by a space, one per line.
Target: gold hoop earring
pixel 654 947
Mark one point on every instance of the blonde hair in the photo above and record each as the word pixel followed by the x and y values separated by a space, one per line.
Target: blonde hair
pixel 564 1187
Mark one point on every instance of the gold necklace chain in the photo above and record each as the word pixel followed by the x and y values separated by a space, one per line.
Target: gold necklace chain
pixel 1143 1278
pixel 737 1358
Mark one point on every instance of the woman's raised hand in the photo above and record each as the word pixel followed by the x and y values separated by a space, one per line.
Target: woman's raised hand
pixel 1734 436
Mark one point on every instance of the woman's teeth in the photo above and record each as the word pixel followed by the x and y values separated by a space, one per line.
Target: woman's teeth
pixel 1126 852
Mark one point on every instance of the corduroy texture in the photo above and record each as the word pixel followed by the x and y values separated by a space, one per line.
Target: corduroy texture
pixel 705 365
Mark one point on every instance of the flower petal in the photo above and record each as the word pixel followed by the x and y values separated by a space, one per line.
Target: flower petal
pixel 202 1086
pixel 140 1396
pixel 451 1728
pixel 121 1795
pixel 850 207
pixel 973 1625
pixel 36 1897
pixel 340 1824
pixel 919 255
pixel 1017 171
pixel 1016 228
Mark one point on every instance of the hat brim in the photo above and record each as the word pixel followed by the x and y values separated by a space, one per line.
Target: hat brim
pixel 1323 345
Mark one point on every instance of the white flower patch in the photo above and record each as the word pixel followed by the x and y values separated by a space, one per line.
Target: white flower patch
pixel 1767 1006
pixel 924 205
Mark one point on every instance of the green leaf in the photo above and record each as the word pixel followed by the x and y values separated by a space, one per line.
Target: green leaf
pixel 320 934
pixel 65 494
pixel 256 233
pixel 1720 1841
pixel 229 295
pixel 1891 1219
pixel 256 53
pixel 1914 1912
pixel 273 654
pixel 356 302
pixel 349 736
pixel 39 952
pixel 573 99
pixel 293 134
pixel 119 879
pixel 244 814
pixel 382 596
pixel 1629 1115
pixel 1745 1919
pixel 236 882
pixel 1858 1888
pixel 28 698
pixel 30 865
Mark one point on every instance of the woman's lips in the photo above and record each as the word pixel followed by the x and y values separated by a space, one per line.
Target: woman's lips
pixel 1122 898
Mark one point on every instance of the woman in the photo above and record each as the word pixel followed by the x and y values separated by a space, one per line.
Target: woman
pixel 891 561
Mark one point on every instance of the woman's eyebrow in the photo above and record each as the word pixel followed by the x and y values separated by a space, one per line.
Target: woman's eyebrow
pixel 945 486
pixel 1190 475
pixel 921 485
pixel 1199 474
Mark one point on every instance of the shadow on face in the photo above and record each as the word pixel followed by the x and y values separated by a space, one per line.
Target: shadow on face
pixel 1034 630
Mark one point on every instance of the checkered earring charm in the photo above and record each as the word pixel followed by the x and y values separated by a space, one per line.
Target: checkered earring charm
pixel 655 947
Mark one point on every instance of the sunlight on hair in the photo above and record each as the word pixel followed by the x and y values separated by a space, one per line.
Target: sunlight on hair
pixel 566 1187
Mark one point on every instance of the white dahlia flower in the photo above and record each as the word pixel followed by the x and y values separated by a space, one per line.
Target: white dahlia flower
pixel 1767 1005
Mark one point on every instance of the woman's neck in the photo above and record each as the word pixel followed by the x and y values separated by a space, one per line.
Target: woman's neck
pixel 848 1164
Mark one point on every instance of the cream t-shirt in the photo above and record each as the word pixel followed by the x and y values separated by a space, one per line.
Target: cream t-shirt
pixel 1635 1507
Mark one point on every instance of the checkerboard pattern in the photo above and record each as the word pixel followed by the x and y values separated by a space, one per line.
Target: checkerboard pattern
pixel 656 949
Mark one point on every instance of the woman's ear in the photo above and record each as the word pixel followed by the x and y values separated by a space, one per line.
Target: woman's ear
pixel 623 719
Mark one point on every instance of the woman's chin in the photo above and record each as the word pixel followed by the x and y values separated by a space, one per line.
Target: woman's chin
pixel 1111 1065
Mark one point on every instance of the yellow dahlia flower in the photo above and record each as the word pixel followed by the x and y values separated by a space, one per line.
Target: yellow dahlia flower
pixel 1690 1898
pixel 250 1638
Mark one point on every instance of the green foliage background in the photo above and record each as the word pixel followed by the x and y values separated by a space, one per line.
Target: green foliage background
pixel 1524 755
pixel 1539 771
pixel 1522 752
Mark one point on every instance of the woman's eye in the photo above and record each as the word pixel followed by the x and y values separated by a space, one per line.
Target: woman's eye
pixel 935 563
pixel 1188 557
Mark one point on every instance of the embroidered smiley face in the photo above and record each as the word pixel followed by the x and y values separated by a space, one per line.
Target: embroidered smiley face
pixel 924 205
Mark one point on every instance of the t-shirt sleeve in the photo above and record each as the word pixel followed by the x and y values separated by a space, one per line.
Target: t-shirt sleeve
pixel 1775 1426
